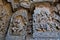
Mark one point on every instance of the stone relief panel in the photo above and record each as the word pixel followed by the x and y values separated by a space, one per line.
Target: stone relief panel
pixel 18 25
pixel 44 19
pixel 45 22
pixel 41 18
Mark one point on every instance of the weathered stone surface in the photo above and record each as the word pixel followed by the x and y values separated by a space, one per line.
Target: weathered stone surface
pixel 17 3
pixel 5 15
pixel 45 39
pixel 25 4
pixel 45 0
pixel 58 6
pixel 14 3
pixel 46 34
pixel 59 12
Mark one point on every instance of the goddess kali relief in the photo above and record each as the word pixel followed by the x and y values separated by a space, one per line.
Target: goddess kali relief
pixel 18 25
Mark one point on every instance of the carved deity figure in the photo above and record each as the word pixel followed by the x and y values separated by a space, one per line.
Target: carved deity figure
pixel 18 25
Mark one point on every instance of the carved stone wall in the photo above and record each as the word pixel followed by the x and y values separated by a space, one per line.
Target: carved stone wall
pixel 29 19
